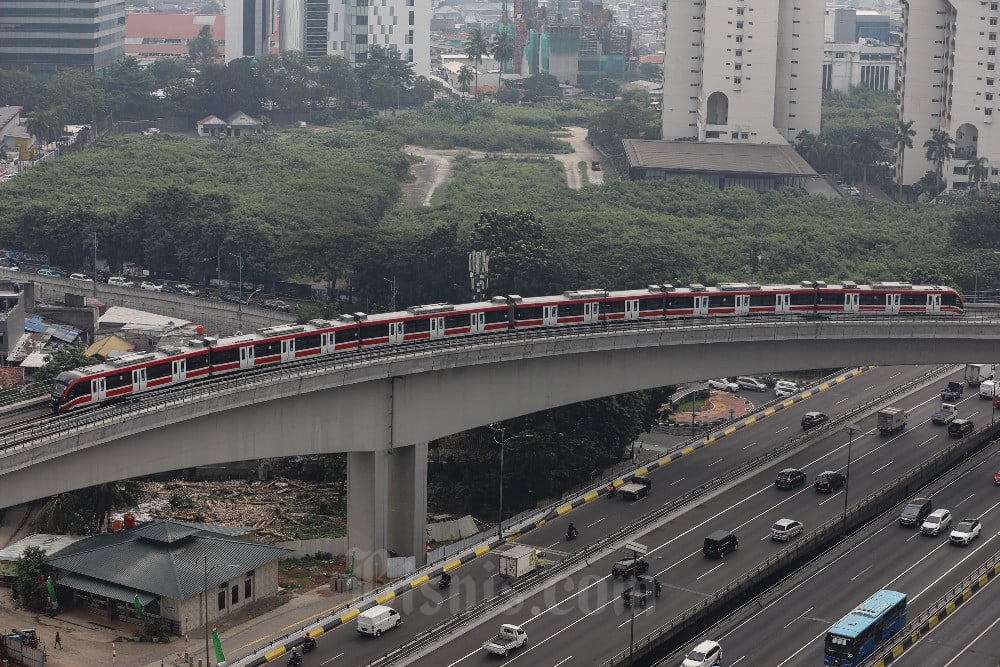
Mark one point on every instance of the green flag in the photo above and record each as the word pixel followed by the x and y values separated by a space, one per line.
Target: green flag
pixel 138 609
pixel 350 572
pixel 51 588
pixel 220 657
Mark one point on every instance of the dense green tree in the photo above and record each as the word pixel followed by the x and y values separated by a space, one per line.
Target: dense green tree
pixel 541 88
pixel 166 71
pixel 203 48
pixel 336 78
pixel 979 171
pixel 64 358
pixel 520 263
pixel 606 87
pixel 29 587
pixel 384 76
pixel 901 142
pixel 465 78
pixel 223 89
pixel 47 126
pixel 502 50
pixel 622 121
pixel 21 89
pixel 80 93
pixel 978 226
pixel 129 88
pixel 651 72
pixel 865 150
pixel 99 501
pixel 288 80
pixel 939 149
pixel 476 47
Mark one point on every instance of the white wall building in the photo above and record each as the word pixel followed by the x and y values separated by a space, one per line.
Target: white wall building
pixel 948 82
pixel 862 64
pixel 745 71
pixel 341 27
pixel 249 23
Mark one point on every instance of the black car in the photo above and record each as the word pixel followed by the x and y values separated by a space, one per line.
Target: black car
pixel 629 567
pixel 828 481
pixel 789 478
pixel 720 543
pixel 811 419
pixel 959 428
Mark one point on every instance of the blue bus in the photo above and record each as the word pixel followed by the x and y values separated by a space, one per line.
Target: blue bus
pixel 855 636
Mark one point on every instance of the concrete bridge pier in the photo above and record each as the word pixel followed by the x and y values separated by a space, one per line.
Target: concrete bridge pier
pixel 386 507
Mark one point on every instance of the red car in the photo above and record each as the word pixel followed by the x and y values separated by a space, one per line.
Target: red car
pixel 996 479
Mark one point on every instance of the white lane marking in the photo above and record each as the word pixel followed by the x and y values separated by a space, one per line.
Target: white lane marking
pixel 448 598
pixel 798 617
pixel 562 661
pixel 832 496
pixel 895 375
pixel 842 400
pixel 648 608
pixel 591 525
pixel 332 659
pixel 882 467
pixel 703 574
pixel 969 645
pixel 869 388
pixel 971 495
pixel 915 535
pixel 861 572
pixel 926 441
pixel 737 660
pixel 950 569
pixel 552 545
pixel 679 480
pixel 713 463
pixel 750 445
pixel 782 429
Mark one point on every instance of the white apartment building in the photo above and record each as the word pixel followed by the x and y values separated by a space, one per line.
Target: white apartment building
pixel 746 71
pixel 868 64
pixel 948 82
pixel 249 23
pixel 350 28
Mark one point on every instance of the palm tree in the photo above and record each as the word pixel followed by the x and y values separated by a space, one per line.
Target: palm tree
pixel 864 150
pixel 465 77
pixel 54 515
pixel 476 47
pixel 979 171
pixel 502 51
pixel 902 141
pixel 940 148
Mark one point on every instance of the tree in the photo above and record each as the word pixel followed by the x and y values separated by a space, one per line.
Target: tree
pixel 29 579
pixel 902 141
pixel 336 78
pixel 940 148
pixel 64 358
pixel 100 500
pixel 606 87
pixel 46 126
pixel 541 88
pixel 979 171
pixel 80 94
pixel 384 77
pixel 128 87
pixel 519 260
pixel 56 515
pixel 465 77
pixel 476 46
pixel 168 70
pixel 203 49
pixel 502 50
pixel 21 89
pixel 651 72
pixel 864 150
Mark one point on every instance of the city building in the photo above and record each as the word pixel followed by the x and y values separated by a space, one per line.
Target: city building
pixel 42 38
pixel 744 71
pixel 249 25
pixel 847 25
pixel 342 27
pixel 948 83
pixel 863 63
pixel 150 37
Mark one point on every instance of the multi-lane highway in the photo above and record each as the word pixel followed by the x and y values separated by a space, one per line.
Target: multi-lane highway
pixel 581 619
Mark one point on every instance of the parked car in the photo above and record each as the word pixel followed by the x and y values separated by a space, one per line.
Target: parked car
pixel 785 392
pixel 936 522
pixel 828 481
pixel 786 385
pixel 151 286
pixel 595 165
pixel 82 278
pixel 723 384
pixel 753 384
pixel 811 419
pixel 119 281
pixel 277 304
pixel 789 478
pixel 706 654
pixel 966 531
pixel 785 529
pixel 51 273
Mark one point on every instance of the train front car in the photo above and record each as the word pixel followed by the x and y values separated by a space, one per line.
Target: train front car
pixel 60 394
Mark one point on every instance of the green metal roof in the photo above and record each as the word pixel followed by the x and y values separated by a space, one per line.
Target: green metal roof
pixel 108 590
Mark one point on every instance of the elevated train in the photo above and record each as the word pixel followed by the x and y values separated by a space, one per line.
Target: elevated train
pixel 205 356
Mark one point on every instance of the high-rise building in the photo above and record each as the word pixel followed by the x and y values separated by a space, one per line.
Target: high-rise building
pixel 948 83
pixel 350 28
pixel 249 24
pixel 747 71
pixel 45 37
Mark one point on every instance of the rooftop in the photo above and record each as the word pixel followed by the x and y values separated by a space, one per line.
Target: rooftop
pixel 698 157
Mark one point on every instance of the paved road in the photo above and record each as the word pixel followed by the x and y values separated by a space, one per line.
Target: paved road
pixel 584 610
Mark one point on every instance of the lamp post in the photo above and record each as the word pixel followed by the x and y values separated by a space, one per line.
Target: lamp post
pixel 393 284
pixel 851 430
pixel 239 304
pixel 503 442
pixel 207 570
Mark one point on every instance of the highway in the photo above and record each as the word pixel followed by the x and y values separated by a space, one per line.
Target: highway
pixel 583 612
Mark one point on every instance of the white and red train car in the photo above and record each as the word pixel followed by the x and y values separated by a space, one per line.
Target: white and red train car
pixel 204 356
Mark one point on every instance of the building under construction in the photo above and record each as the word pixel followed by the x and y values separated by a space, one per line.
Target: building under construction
pixel 577 46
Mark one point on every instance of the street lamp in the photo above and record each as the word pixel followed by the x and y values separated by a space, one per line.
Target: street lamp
pixel 393 284
pixel 851 430
pixel 239 304
pixel 207 570
pixel 503 442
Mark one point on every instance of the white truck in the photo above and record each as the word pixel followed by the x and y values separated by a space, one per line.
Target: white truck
pixel 519 560
pixel 945 415
pixel 637 487
pixel 988 389
pixel 891 420
pixel 976 373
pixel 509 638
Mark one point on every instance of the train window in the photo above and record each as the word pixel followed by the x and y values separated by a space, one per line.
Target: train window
pixel 456 321
pixel 418 326
pixel 79 389
pixel 831 298
pixel 616 306
pixel 307 342
pixel 369 331
pixel 680 302
pixel 268 349
pixel 347 335
pixel 197 362
pixel 528 313
pixel 913 299
pixel 158 371
pixel 495 316
pixel 802 298
pixel 569 309
pixel 758 300
pixel 120 380
pixel 220 357
pixel 720 301
pixel 872 299
pixel 949 300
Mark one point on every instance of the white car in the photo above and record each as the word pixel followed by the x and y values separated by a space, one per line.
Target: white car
pixel 785 529
pixel 82 278
pixel 152 287
pixel 966 531
pixel 119 281
pixel 723 384
pixel 936 522
pixel 753 384
pixel 786 385
pixel 705 654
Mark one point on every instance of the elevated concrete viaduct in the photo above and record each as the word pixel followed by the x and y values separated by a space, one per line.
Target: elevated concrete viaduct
pixel 383 410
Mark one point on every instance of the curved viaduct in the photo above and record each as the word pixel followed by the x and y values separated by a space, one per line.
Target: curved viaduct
pixel 383 410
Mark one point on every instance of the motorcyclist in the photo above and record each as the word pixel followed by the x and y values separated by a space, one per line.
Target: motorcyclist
pixel 309 644
pixel 294 658
pixel 611 488
pixel 657 587
pixel 445 580
pixel 571 531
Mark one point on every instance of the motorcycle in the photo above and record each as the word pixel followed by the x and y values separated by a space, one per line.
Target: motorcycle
pixel 308 645
pixel 571 534
pixel 627 597
pixel 445 582
pixel 295 660
pixel 612 490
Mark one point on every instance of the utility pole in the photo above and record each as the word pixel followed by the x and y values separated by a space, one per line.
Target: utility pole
pixel 95 265
pixel 393 284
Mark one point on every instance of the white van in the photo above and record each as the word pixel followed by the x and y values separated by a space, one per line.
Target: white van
pixel 988 389
pixel 376 620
